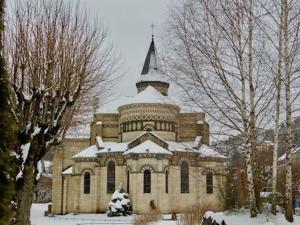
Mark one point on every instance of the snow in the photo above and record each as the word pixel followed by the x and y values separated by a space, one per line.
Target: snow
pixel 148 147
pixel 150 95
pixel 25 150
pixel 207 151
pixel 113 147
pixel 231 218
pixel 111 104
pixel 243 218
pixel 40 170
pixel 200 122
pixel 35 131
pixel 99 122
pixel 99 141
pixel 197 141
pixel 120 204
pixel 87 153
pixel 102 147
pixel 146 132
pixel 265 194
pixel 38 218
pixel 181 146
pixel 153 75
pixel 294 150
pixel 68 171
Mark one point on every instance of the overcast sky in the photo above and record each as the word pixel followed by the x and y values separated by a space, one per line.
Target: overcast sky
pixel 130 32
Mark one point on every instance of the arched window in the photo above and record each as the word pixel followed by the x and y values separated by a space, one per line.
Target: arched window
pixel 147 181
pixel 128 181
pixel 86 183
pixel 167 181
pixel 184 175
pixel 209 183
pixel 110 177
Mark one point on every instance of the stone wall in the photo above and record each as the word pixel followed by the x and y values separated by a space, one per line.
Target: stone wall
pixel 97 201
pixel 192 125
pixel 62 158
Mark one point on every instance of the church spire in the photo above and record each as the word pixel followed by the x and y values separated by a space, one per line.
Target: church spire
pixel 151 61
pixel 152 73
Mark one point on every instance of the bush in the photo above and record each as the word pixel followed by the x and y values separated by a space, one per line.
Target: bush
pixel 147 218
pixel 194 214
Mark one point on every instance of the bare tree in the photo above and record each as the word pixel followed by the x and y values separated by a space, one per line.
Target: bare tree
pixel 217 56
pixel 56 59
pixel 287 57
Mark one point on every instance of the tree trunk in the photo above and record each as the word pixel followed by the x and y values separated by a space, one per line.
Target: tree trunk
pixel 286 53
pixel 277 116
pixel 24 190
pixel 25 186
pixel 288 185
pixel 251 161
pixel 250 182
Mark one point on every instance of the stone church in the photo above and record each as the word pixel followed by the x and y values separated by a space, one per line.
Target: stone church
pixel 159 154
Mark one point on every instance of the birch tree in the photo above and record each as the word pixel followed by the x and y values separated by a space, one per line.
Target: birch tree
pixel 273 29
pixel 217 56
pixel 287 71
pixel 55 58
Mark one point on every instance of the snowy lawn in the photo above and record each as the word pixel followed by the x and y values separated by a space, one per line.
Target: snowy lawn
pixel 38 218
pixel 240 218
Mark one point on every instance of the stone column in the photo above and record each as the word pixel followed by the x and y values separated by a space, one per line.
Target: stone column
pixel 57 184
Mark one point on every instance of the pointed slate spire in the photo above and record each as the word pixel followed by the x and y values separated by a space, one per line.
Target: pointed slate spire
pixel 152 73
pixel 151 61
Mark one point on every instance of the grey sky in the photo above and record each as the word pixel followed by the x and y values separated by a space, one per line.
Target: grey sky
pixel 129 22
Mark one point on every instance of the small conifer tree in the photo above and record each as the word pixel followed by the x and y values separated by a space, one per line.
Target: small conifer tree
pixel 120 204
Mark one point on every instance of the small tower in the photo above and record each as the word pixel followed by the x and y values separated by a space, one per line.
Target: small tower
pixel 152 73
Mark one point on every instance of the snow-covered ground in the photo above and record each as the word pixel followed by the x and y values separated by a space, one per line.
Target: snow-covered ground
pixel 38 218
pixel 240 218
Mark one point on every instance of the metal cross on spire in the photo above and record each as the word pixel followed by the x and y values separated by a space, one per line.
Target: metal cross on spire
pixel 152 27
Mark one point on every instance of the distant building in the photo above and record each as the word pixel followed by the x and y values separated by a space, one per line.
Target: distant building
pixel 295 174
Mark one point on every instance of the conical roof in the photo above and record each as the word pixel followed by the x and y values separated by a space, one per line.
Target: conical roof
pixel 152 70
pixel 151 61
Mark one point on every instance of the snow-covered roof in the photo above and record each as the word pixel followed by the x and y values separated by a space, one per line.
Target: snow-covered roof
pixel 111 104
pixel 68 171
pixel 87 153
pixel 150 95
pixel 181 146
pixel 147 132
pixel 294 150
pixel 206 151
pixel 113 147
pixel 99 141
pixel 148 147
pixel 153 75
pixel 102 147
